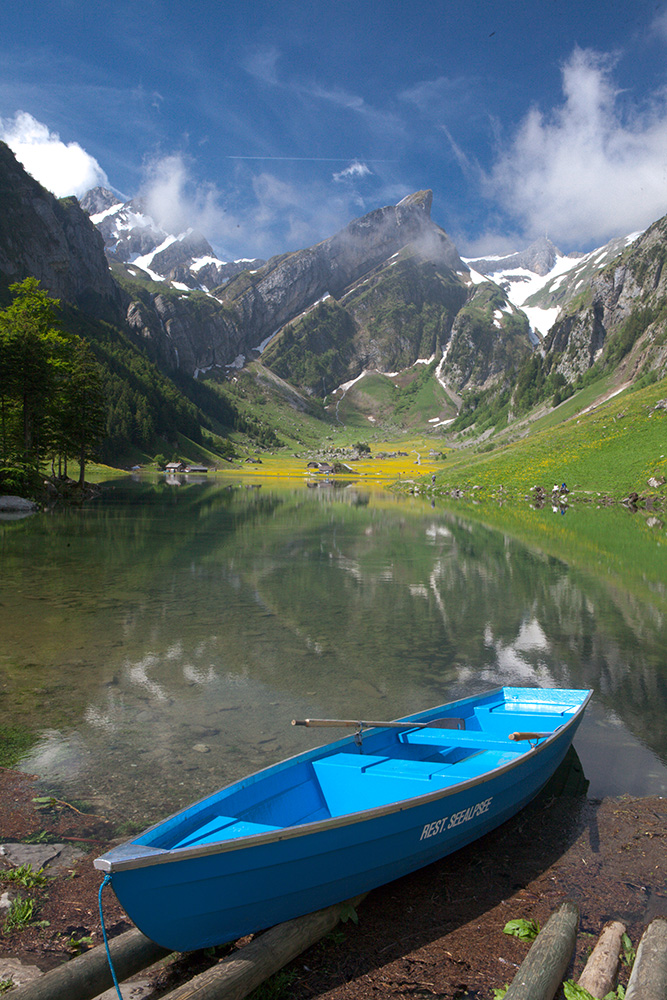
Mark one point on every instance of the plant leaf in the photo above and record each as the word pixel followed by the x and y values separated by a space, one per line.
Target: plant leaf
pixel 628 953
pixel 573 991
pixel 526 930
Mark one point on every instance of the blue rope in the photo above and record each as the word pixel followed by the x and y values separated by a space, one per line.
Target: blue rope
pixel 107 881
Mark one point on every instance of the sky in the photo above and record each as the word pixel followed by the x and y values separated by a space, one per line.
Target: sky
pixel 268 125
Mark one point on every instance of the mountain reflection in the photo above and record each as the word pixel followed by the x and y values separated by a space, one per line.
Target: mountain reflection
pixel 184 628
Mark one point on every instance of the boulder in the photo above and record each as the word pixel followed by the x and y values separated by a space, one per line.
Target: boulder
pixel 17 505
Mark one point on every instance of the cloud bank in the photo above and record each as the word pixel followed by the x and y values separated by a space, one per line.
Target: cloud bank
pixel 593 168
pixel 62 168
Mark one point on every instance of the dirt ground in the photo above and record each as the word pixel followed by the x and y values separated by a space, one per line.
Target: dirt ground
pixel 437 933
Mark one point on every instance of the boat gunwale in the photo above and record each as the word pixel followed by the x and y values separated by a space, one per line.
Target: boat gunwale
pixel 147 856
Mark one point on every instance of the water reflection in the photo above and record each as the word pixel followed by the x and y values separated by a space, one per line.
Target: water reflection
pixel 162 640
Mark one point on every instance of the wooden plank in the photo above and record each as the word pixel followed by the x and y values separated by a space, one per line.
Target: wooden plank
pixel 235 977
pixel 599 975
pixel 648 980
pixel 543 968
pixel 88 975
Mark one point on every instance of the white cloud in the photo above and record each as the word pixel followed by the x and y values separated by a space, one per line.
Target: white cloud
pixel 355 171
pixel 63 168
pixel 659 25
pixel 593 168
pixel 178 202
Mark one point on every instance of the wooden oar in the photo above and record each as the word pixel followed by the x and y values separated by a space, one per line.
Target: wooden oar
pixel 449 723
pixel 529 736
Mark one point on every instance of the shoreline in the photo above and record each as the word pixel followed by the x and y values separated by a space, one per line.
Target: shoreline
pixel 441 925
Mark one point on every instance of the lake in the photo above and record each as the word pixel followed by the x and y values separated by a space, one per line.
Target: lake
pixel 159 641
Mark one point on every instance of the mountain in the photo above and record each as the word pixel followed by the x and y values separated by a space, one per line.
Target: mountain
pixel 131 235
pixel 387 291
pixel 51 239
pixel 618 318
pixel 382 321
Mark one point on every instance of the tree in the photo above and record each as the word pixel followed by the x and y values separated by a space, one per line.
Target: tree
pixel 51 387
pixel 32 352
pixel 82 418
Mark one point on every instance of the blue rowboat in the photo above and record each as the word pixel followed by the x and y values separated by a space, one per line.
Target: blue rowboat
pixel 337 821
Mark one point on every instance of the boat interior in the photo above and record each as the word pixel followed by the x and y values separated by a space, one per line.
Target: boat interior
pixel 465 741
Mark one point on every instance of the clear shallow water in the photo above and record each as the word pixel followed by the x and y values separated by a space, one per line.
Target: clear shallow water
pixel 161 640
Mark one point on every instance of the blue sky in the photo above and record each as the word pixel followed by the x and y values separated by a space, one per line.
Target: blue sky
pixel 269 124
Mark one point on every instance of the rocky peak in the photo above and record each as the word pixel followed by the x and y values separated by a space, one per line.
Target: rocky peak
pixel 289 284
pixel 53 240
pixel 539 258
pixel 422 200
pixel 98 200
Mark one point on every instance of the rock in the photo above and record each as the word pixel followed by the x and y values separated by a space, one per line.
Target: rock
pixel 58 243
pixel 52 856
pixel 20 975
pixel 655 482
pixel 201 748
pixel 17 505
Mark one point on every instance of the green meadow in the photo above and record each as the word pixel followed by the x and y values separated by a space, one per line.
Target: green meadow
pixel 610 451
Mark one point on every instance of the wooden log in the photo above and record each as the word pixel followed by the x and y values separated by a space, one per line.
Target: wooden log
pixel 88 975
pixel 543 969
pixel 648 980
pixel 237 976
pixel 599 975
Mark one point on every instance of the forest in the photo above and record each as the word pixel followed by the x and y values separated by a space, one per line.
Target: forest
pixel 52 404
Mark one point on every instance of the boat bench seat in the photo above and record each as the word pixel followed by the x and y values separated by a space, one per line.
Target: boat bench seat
pixel 448 738
pixel 480 763
pixel 222 828
pixel 421 770
pixel 352 782
pixel 498 721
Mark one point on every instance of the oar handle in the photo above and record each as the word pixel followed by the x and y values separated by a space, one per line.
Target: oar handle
pixel 529 736
pixel 448 723
pixel 365 723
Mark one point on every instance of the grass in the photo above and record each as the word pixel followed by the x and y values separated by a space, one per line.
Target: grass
pixel 20 914
pixel 612 450
pixel 25 876
pixel 415 460
pixel 15 742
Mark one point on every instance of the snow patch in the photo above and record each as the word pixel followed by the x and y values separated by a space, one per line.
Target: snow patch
pixel 541 320
pixel 200 262
pixel 101 216
pixel 238 362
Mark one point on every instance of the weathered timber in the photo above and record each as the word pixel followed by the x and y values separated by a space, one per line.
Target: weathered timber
pixel 600 973
pixel 88 975
pixel 648 980
pixel 542 970
pixel 237 976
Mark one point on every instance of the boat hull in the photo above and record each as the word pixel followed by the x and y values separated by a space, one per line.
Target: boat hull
pixel 186 900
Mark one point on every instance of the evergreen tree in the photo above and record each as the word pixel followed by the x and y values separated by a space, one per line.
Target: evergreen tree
pixel 32 352
pixel 83 415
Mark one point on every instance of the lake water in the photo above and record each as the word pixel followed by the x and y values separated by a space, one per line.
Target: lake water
pixel 161 639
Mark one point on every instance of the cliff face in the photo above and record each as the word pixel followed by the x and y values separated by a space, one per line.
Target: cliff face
pixel 623 316
pixel 287 285
pixel 52 240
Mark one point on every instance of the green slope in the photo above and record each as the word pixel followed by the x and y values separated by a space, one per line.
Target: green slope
pixel 612 450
